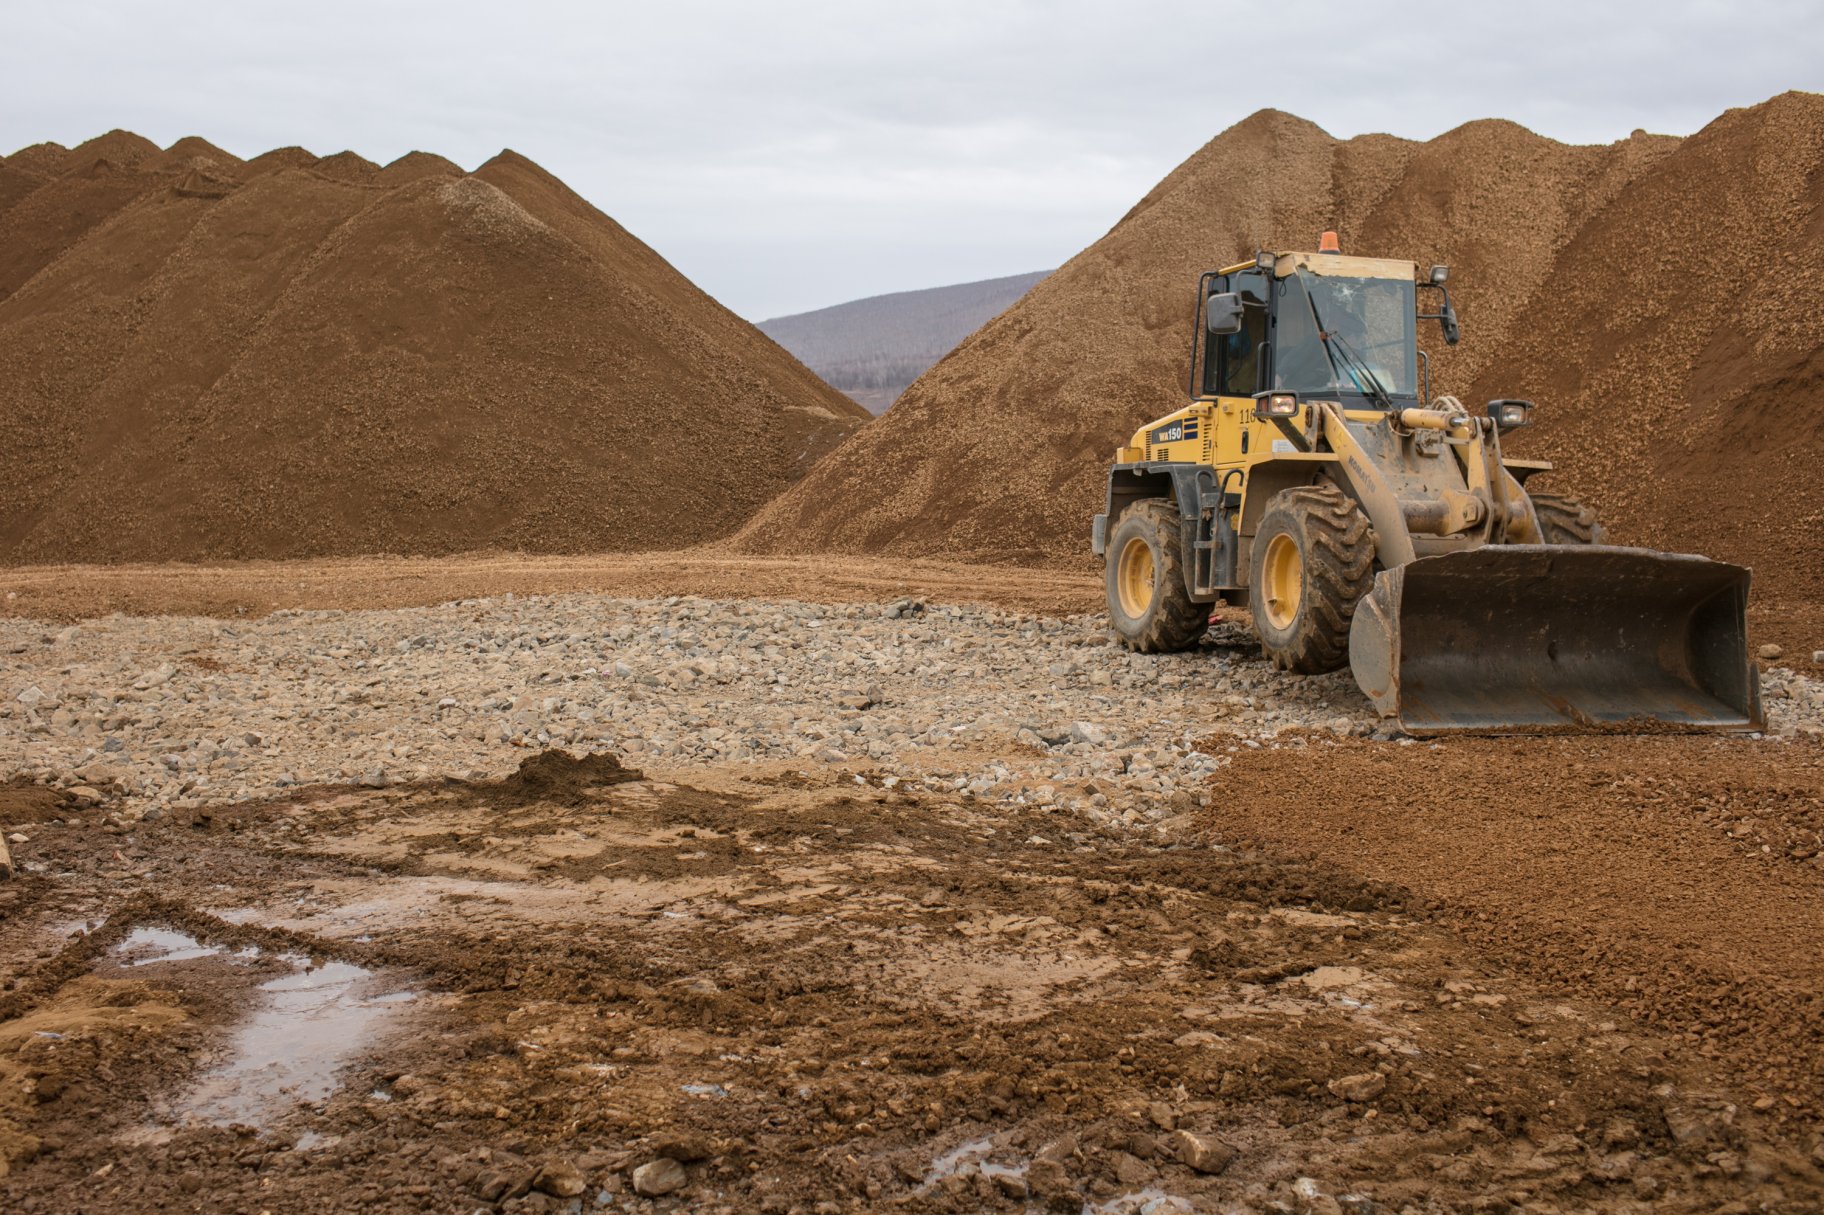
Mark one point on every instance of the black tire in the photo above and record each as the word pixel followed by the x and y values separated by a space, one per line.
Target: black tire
pixel 1157 615
pixel 1564 520
pixel 1322 553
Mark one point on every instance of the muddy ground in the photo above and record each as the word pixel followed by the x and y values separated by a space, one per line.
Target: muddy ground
pixel 1344 974
pixel 814 993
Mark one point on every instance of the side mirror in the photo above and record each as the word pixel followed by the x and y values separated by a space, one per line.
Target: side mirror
pixel 1453 333
pixel 1223 313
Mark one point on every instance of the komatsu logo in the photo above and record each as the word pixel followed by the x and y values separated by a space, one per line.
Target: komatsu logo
pixel 1173 432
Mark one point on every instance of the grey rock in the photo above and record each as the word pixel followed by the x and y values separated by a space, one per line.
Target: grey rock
pixel 658 1177
pixel 1365 1086
pixel 1204 1153
pixel 560 1179
pixel 1088 732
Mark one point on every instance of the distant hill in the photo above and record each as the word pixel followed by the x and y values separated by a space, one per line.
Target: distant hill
pixel 871 349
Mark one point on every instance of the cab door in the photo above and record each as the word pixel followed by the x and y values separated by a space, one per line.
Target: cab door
pixel 1234 370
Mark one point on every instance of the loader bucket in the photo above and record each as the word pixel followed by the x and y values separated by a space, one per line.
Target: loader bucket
pixel 1533 639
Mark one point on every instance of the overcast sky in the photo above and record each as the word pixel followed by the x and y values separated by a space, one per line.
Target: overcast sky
pixel 797 153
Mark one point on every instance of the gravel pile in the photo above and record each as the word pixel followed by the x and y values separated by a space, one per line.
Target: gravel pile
pixel 142 715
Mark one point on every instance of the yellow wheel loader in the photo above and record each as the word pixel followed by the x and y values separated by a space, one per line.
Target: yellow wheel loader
pixel 1316 480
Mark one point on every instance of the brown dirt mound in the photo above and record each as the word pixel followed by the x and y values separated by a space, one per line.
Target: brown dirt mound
pixel 414 165
pixel 555 776
pixel 23 802
pixel 1589 277
pixel 39 157
pixel 299 356
pixel 193 148
pixel 346 166
pixel 292 157
pixel 1693 368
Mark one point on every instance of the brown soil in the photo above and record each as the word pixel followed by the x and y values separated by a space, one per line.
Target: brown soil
pixel 554 776
pixel 1653 296
pixel 811 991
pixel 201 358
pixel 1681 881
pixel 256 588
pixel 21 801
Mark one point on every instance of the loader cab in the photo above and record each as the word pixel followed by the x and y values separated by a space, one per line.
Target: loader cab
pixel 1235 364
pixel 1323 326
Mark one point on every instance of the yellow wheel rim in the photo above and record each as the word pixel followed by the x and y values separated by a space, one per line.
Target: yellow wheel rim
pixel 1134 578
pixel 1282 576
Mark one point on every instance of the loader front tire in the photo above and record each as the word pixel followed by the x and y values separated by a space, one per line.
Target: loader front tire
pixel 1565 520
pixel 1148 606
pixel 1311 562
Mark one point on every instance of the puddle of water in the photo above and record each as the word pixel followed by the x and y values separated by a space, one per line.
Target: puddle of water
pixel 966 1158
pixel 959 1159
pixel 304 1027
pixel 310 1023
pixel 144 946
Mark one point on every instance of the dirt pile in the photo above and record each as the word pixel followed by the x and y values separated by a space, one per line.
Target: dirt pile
pixel 554 776
pixel 1681 380
pixel 202 357
pixel 1583 275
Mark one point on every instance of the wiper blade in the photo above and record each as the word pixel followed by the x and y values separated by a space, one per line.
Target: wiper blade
pixel 1361 371
pixel 1323 335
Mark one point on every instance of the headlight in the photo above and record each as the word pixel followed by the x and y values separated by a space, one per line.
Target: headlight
pixel 1510 415
pixel 1276 405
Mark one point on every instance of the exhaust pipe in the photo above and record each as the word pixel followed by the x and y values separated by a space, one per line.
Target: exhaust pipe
pixel 1537 639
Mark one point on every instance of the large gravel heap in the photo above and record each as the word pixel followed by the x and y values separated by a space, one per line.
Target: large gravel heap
pixel 1659 298
pixel 202 357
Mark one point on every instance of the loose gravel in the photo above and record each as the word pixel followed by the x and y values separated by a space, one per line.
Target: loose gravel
pixel 144 715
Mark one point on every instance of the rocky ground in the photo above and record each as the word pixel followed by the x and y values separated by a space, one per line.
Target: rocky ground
pixel 872 905
pixel 155 714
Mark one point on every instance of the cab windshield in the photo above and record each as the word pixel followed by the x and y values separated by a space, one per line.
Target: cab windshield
pixel 1345 335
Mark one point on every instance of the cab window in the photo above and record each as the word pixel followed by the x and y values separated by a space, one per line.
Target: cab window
pixel 1232 366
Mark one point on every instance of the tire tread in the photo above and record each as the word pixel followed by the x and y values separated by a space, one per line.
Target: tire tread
pixel 1339 569
pixel 1176 622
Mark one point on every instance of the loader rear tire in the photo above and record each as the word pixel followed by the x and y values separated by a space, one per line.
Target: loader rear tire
pixel 1564 520
pixel 1311 562
pixel 1148 606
